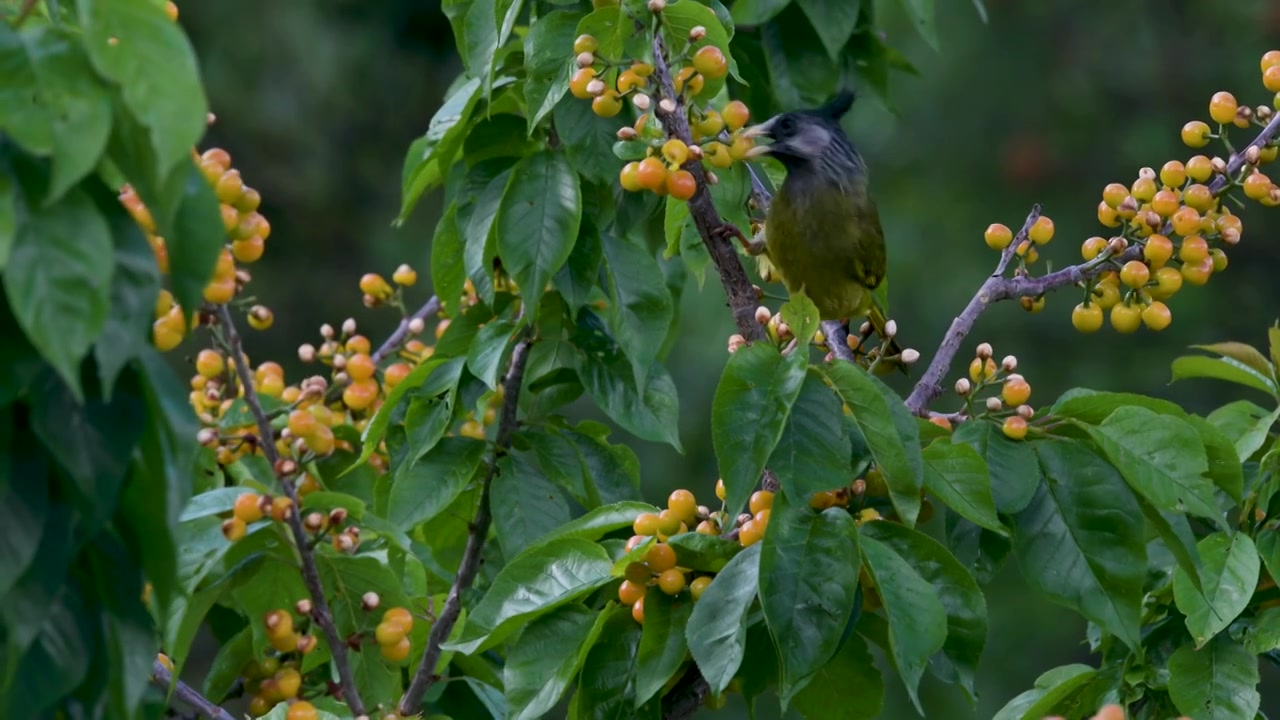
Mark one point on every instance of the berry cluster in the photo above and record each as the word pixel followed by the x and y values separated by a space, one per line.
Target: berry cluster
pixel 880 358
pixel 1007 406
pixel 247 232
pixel 716 133
pixel 392 634
pixel 250 507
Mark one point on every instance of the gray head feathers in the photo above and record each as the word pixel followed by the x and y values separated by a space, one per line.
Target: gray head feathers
pixel 812 141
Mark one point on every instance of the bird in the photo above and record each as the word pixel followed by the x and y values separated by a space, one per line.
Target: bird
pixel 822 232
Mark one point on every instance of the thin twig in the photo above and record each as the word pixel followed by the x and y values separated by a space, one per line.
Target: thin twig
pixel 425 677
pixel 397 338
pixel 310 573
pixel 161 676
pixel 737 287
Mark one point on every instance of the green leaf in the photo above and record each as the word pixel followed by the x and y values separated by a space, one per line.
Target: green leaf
pixel 1262 634
pixel 489 350
pixel 922 17
pixel 852 667
pixel 58 280
pixel 606 686
pixel 749 414
pixel 1229 574
pixel 79 102
pixel 194 237
pixel 1092 407
pixel 1225 469
pixel 681 17
pixel 717 629
pixel 1269 549
pixel 448 272
pixel 612 472
pixel 702 552
pixel 1080 540
pixel 890 431
pixel 1216 682
pixel 347 578
pixel 28 122
pixel 916 615
pixel 1160 457
pixel 800 72
pixel 1247 423
pixel 481 39
pixel 587 137
pixel 537 221
pixel 652 413
pixel 834 22
pixel 965 605
pixel 8 215
pixel 525 504
pixel 809 566
pixel 436 375
pixel 1199 366
pixel 957 475
pixel 228 664
pixel 812 455
pixel 134 286
pixel 260 593
pixel 581 272
pixel 134 44
pixel 430 156
pixel 1273 340
pixel 530 585
pixel 1050 689
pixel 432 483
pixel 24 510
pixel 1012 466
pixel 757 12
pixel 547 63
pixel 663 647
pixel 1242 353
pixel 545 659
pixel 1175 531
pixel 599 522
pixel 641 311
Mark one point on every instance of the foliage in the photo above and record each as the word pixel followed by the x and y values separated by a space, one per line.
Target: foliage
pixel 424 510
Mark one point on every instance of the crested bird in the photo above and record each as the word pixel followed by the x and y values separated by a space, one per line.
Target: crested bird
pixel 822 232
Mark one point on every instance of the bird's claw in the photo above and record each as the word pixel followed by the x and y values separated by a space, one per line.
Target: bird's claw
pixel 728 230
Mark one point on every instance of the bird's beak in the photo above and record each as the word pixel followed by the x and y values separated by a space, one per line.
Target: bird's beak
pixel 758 131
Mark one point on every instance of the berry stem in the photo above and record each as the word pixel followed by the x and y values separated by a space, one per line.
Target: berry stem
pixel 310 573
pixel 397 338
pixel 162 677
pixel 411 703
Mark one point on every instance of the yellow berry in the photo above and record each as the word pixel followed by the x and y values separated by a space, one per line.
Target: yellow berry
pixel 1042 231
pixel 720 490
pixel 1135 274
pixel 1093 247
pixel 699 586
pixel 710 62
pixel 671 581
pixel 630 593
pixel 998 236
pixel 1087 318
pixel 760 500
pixel 684 505
pixel 1157 251
pixel 1195 134
pixel 1156 316
pixel 399 652
pixel 675 152
pixel 1222 107
pixel 661 558
pixel 1126 318
pixel 750 533
pixel 735 114
pixel 1173 174
pixel 1015 427
pixel 389 633
pixel 1016 391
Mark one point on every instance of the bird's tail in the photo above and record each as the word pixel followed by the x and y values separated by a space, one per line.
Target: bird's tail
pixel 878 321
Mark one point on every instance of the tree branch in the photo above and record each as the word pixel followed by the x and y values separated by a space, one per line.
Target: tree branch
pixel 741 295
pixel 393 342
pixel 162 677
pixel 425 677
pixel 320 612
pixel 997 287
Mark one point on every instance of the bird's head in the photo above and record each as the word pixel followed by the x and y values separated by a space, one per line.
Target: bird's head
pixel 810 139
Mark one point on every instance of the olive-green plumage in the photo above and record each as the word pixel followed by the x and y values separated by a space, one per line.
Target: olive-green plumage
pixel 822 233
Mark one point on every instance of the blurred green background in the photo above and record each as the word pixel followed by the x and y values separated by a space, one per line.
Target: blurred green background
pixel 317 101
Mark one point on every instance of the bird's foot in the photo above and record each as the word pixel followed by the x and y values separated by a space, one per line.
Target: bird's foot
pixel 752 246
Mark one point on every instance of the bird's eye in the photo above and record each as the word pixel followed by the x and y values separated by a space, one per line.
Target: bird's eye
pixel 786 124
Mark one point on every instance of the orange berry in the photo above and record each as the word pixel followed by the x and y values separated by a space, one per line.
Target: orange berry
pixel 760 500
pixel 1144 188
pixel 1093 247
pixel 280 507
pixel 400 616
pixel 661 558
pixel 229 187
pixel 671 582
pixel 1271 78
pixel 248 507
pixel 360 394
pixel 652 174
pixel 220 291
pixel 1168 282
pixel 628 81
pixel 578 83
pixel 629 177
pixel 1194 249
pixel 735 114
pixel 302 710
pixel 248 250
pixel 394 374
pixel 1015 427
pixel 688 76
pixel 681 185
pixel 1016 391
pixel 1186 221
pixel 630 593
pixel 1156 316
pixel 646 524
pixel 234 529
pixel 1257 186
pixel 750 533
pixel 711 62
pixel 1114 194
pixel 1198 272
pixel 637 611
pixel 683 504
pixel 707 527
pixel 1173 174
pixel 1107 215
pixel 360 366
pixel 389 633
pixel 399 652
pixel 1222 107
pixel 374 284
pixel 1165 203
pixel 1199 197
pixel 607 104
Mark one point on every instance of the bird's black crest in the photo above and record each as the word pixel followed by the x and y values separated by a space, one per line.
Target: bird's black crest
pixel 837 106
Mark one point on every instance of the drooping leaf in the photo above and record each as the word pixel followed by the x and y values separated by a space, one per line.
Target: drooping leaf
pixel 134 285
pixel 545 659
pixel 663 647
pixel 1216 682
pixel 533 584
pixel 812 455
pixel 890 431
pixel 547 62
pixel 702 552
pixel 809 566
pixel 28 122
pixel 1161 457
pixel 448 272
pixel 1242 353
pixel 852 667
pixel 1012 466
pixel 1080 539
pixel 537 221
pixel 922 17
pixel 1229 573
pixel 1225 469
pixel 957 475
pixel 432 483
pixel 489 350
pixel 134 44
pixel 749 414
pixel 717 629
pixel 1049 689
pixel 965 605
pixel 641 311
pixel 1247 423
pixel 525 504
pixel 916 615
pixel 606 687
pixel 58 281
pixel 430 156
pixel 834 22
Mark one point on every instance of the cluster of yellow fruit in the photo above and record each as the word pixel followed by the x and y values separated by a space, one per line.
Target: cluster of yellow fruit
pixel 392 634
pixel 716 134
pixel 246 229
pixel 277 678
pixel 1011 400
pixel 250 507
pixel 659 565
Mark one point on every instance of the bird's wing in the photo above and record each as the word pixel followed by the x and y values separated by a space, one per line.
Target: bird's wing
pixel 868 263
